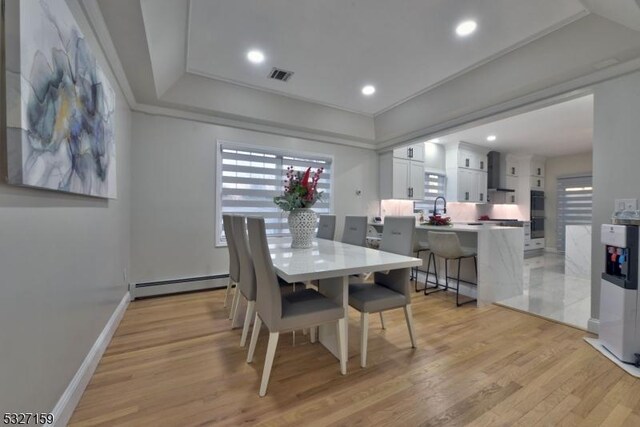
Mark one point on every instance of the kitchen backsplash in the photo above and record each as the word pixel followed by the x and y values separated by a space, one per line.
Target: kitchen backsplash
pixel 459 212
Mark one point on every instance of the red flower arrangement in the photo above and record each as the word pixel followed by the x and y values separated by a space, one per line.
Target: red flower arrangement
pixel 300 190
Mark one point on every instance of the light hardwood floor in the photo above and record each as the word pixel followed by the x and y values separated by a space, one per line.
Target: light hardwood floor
pixel 174 362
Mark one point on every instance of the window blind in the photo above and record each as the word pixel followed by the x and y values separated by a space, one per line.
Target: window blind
pixel 434 186
pixel 574 205
pixel 252 176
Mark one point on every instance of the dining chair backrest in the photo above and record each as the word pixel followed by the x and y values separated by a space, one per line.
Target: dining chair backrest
pixel 326 227
pixel 269 299
pixel 355 230
pixel 398 235
pixel 247 282
pixel 234 265
pixel 445 244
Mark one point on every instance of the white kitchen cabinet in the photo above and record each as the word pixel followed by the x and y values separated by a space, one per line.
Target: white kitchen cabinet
pixel 401 178
pixel 467 188
pixel 416 180
pixel 480 162
pixel 470 186
pixel 470 159
pixel 512 184
pixel 537 183
pixel 466 158
pixel 411 152
pixel 537 168
pixel 512 167
pixel 466 173
pixel 481 186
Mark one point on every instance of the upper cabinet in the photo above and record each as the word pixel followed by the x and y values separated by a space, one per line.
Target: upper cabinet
pixel 402 173
pixel 411 152
pixel 512 165
pixel 537 173
pixel 469 158
pixel 537 167
pixel 466 173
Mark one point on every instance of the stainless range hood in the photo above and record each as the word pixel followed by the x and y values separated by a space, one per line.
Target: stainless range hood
pixel 496 179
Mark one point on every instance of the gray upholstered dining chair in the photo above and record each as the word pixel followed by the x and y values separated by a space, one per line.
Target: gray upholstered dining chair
pixel 447 245
pixel 355 230
pixel 234 266
pixel 281 313
pixel 390 290
pixel 247 285
pixel 326 227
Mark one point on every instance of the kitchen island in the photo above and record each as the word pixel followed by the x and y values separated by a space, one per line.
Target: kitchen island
pixel 500 259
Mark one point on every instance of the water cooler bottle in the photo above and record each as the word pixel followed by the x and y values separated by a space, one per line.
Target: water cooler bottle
pixel 619 297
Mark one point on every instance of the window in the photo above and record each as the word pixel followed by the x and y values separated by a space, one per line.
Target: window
pixel 574 205
pixel 250 177
pixel 434 186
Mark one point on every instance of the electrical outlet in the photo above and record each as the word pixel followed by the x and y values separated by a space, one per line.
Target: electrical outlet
pixel 626 205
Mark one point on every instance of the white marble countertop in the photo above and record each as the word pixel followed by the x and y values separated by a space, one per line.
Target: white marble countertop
pixel 458 226
pixel 329 258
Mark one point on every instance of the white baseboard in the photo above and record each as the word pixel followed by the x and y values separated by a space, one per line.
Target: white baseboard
pixel 593 325
pixel 69 400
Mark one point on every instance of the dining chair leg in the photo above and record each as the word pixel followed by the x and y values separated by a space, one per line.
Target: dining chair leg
pixel 382 321
pixel 408 314
pixel 227 293
pixel 268 361
pixel 247 322
pixel 313 334
pixel 364 332
pixel 235 322
pixel 342 346
pixel 234 302
pixel 257 324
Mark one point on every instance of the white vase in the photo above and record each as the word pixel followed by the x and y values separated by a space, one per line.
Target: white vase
pixel 302 225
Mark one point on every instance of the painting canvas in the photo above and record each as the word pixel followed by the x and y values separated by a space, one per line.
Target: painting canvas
pixel 60 105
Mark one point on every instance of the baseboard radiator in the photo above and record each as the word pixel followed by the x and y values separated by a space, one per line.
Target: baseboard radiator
pixel 174 286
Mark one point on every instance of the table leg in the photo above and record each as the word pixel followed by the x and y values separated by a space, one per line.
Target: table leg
pixel 336 289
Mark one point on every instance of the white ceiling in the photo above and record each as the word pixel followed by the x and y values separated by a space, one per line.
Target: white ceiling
pixel 335 47
pixel 561 129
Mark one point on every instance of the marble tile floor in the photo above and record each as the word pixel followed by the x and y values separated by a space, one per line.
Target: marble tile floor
pixel 549 293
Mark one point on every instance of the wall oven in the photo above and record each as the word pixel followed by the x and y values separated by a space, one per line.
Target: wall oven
pixel 537 214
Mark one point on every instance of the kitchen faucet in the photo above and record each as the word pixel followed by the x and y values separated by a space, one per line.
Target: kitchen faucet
pixel 435 203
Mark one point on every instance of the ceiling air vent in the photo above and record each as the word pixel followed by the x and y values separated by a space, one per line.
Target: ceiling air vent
pixel 278 74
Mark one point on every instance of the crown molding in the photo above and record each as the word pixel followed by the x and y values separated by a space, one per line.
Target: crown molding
pixel 155 110
pixel 564 91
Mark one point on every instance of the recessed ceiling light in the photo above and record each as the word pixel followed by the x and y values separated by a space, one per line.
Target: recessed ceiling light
pixel 368 90
pixel 255 56
pixel 491 138
pixel 465 28
pixel 434 140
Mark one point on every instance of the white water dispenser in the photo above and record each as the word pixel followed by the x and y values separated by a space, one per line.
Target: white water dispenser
pixel 619 297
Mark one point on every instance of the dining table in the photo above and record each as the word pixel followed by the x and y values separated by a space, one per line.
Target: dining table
pixel 332 263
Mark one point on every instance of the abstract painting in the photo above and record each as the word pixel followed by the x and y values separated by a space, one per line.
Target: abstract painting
pixel 60 105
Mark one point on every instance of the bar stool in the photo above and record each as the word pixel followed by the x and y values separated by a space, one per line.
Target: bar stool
pixel 447 245
pixel 418 248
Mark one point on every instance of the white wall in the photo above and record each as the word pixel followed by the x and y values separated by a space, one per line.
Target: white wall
pixel 616 153
pixel 558 167
pixel 173 192
pixel 62 259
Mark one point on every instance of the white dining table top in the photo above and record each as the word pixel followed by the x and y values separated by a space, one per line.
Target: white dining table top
pixel 329 258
